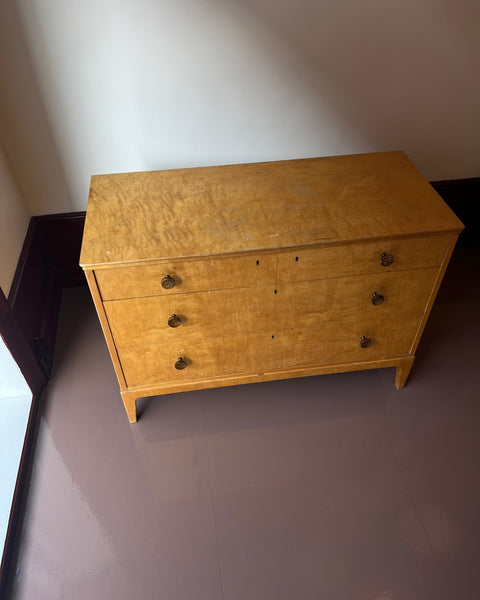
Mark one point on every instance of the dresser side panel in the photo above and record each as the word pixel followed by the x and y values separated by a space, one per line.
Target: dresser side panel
pixel 97 300
pixel 434 292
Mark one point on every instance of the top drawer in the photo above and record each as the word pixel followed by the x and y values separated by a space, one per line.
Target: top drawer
pixel 188 276
pixel 363 258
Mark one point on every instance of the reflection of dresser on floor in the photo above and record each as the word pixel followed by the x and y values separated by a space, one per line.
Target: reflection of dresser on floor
pixel 235 274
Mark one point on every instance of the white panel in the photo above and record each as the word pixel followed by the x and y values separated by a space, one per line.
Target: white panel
pixel 13 424
pixel 12 382
pixel 15 402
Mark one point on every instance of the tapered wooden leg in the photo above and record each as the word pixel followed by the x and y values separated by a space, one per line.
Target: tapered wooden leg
pixel 129 401
pixel 403 371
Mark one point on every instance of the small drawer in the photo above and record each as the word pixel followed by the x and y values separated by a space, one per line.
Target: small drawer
pixel 357 259
pixel 188 276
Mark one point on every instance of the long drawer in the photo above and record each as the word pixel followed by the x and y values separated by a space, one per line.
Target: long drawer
pixel 302 305
pixel 259 352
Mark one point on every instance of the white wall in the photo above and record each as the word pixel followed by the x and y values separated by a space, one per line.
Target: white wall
pixel 24 128
pixel 144 84
pixel 14 219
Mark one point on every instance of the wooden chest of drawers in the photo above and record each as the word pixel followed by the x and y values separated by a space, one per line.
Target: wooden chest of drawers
pixel 237 274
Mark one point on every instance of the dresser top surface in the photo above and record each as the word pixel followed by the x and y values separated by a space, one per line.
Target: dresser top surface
pixel 207 211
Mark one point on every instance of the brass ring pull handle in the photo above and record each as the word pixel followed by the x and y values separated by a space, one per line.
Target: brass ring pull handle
pixel 377 299
pixel 174 321
pixel 365 342
pixel 168 282
pixel 180 364
pixel 386 259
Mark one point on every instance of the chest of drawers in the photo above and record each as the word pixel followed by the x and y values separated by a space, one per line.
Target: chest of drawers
pixel 236 274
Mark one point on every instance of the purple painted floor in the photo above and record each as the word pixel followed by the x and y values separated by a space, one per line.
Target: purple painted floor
pixel 333 487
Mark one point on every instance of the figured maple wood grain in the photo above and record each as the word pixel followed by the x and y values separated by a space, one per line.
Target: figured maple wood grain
pixel 355 259
pixel 143 321
pixel 310 304
pixel 260 352
pixel 92 284
pixel 208 211
pixel 190 276
pixel 302 305
pixel 275 265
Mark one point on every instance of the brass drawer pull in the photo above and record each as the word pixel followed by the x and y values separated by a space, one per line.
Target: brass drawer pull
pixel 174 321
pixel 365 342
pixel 180 364
pixel 168 282
pixel 386 259
pixel 377 299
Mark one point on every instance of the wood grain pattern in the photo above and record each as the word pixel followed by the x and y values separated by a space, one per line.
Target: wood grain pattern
pixel 143 321
pixel 358 259
pixel 303 305
pixel 260 352
pixel 190 276
pixel 183 213
pixel 312 304
pixel 92 284
pixel 275 266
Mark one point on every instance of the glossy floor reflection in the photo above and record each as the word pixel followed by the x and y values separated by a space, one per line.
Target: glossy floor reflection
pixel 333 487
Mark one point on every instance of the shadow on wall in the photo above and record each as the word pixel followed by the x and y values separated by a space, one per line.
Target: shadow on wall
pixel 25 130
pixel 148 85
pixel 402 74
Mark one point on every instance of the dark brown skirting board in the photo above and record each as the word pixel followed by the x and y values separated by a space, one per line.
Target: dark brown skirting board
pixel 48 263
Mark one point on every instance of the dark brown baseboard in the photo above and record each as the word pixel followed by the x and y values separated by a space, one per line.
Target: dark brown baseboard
pixel 47 264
